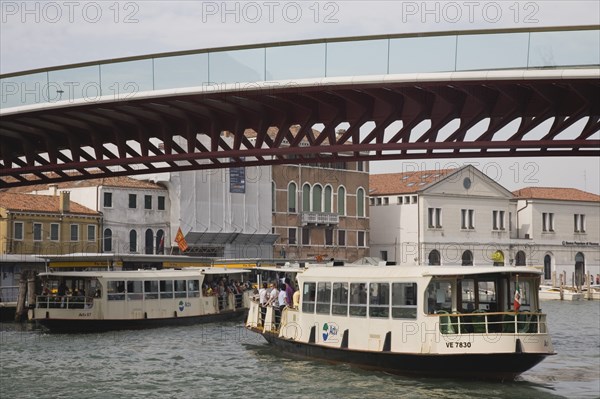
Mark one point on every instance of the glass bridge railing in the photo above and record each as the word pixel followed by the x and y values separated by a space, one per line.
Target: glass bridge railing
pixel 212 68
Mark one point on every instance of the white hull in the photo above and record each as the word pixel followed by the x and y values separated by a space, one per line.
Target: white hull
pixel 553 293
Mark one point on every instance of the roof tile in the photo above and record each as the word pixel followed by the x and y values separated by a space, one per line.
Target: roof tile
pixel 40 203
pixel 556 193
pixel 405 182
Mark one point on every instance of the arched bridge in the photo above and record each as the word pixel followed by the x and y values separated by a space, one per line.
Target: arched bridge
pixel 509 93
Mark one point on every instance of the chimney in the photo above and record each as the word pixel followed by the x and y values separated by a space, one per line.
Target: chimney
pixel 53 189
pixel 64 201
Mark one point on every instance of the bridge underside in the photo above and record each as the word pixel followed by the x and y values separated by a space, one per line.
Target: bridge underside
pixel 463 119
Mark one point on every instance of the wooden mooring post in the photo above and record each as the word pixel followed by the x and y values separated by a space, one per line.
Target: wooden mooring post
pixel 26 294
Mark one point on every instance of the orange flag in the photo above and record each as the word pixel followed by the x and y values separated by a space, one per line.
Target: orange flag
pixel 180 240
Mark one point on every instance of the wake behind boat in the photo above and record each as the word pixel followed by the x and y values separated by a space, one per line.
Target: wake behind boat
pixel 462 322
pixel 96 301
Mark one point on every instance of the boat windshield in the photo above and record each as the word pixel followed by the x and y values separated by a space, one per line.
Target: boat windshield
pixel 481 293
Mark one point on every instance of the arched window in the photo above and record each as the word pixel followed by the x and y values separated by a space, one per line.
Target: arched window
pixel 498 258
pixel 160 242
pixel 148 242
pixel 547 267
pixel 292 188
pixel 520 259
pixel 360 202
pixel 434 258
pixel 306 197
pixel 341 201
pixel 579 269
pixel 327 199
pixel 132 241
pixel 317 197
pixel 467 258
pixel 272 196
pixel 107 240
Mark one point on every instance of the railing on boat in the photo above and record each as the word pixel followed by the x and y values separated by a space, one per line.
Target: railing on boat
pixel 493 322
pixel 64 302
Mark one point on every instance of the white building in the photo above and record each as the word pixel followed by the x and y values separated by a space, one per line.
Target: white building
pixel 564 224
pixel 136 213
pixel 462 217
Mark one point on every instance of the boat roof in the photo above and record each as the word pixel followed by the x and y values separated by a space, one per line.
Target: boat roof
pixel 151 274
pixel 385 272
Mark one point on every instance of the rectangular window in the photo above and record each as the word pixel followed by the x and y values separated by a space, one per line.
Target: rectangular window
pixel 329 237
pixel 166 289
pixel 404 300
pixel 379 300
pixel 434 218
pixel 292 236
pixel 161 203
pixel 150 289
pixel 91 232
pixel 115 290
pixel 579 223
pixel 386 201
pixel 463 219
pixel 547 222
pixel 497 220
pixel 372 201
pixel 54 231
pixel 323 297
pixel 358 299
pixel 180 291
pixel 360 166
pixel 132 201
pixel 383 255
pixel 341 237
pixel 108 200
pixel 37 232
pixel 339 304
pixel 308 297
pixel 147 202
pixel 399 200
pixel 18 231
pixel 305 236
pixel 74 232
pixel 193 288
pixel 360 239
pixel 135 290
pixel 467 219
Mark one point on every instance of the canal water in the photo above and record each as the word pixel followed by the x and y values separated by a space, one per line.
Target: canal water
pixel 226 361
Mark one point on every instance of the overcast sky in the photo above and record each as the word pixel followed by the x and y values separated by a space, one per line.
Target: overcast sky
pixel 48 33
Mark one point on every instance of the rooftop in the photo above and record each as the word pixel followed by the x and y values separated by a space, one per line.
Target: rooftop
pixel 556 193
pixel 116 181
pixel 405 182
pixel 39 203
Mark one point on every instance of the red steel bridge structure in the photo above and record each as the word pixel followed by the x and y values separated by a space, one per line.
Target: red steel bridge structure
pixel 551 111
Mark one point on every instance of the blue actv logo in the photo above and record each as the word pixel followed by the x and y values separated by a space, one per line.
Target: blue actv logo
pixel 181 306
pixel 330 329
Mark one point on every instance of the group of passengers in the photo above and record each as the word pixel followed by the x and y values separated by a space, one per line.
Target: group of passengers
pixel 278 295
pixel 221 288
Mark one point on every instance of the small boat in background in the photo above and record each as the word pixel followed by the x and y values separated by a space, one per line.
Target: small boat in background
pixel 548 292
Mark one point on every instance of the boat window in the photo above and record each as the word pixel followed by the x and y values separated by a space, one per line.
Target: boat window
pixel 193 288
pixel 116 290
pixel 150 289
pixel 467 292
pixel 166 289
pixel 134 290
pixel 308 297
pixel 404 300
pixel 340 299
pixel 487 296
pixel 358 299
pixel 180 289
pixel 439 296
pixel 379 300
pixel 323 297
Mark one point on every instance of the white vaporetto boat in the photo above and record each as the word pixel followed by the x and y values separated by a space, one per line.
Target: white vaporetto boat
pixel 415 320
pixel 115 300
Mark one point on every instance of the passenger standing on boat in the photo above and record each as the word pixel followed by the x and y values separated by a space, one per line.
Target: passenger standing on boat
pixel 281 303
pixel 262 300
pixel 289 291
pixel 296 299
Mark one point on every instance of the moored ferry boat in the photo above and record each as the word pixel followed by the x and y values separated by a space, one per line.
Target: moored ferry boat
pixel 94 301
pixel 475 322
